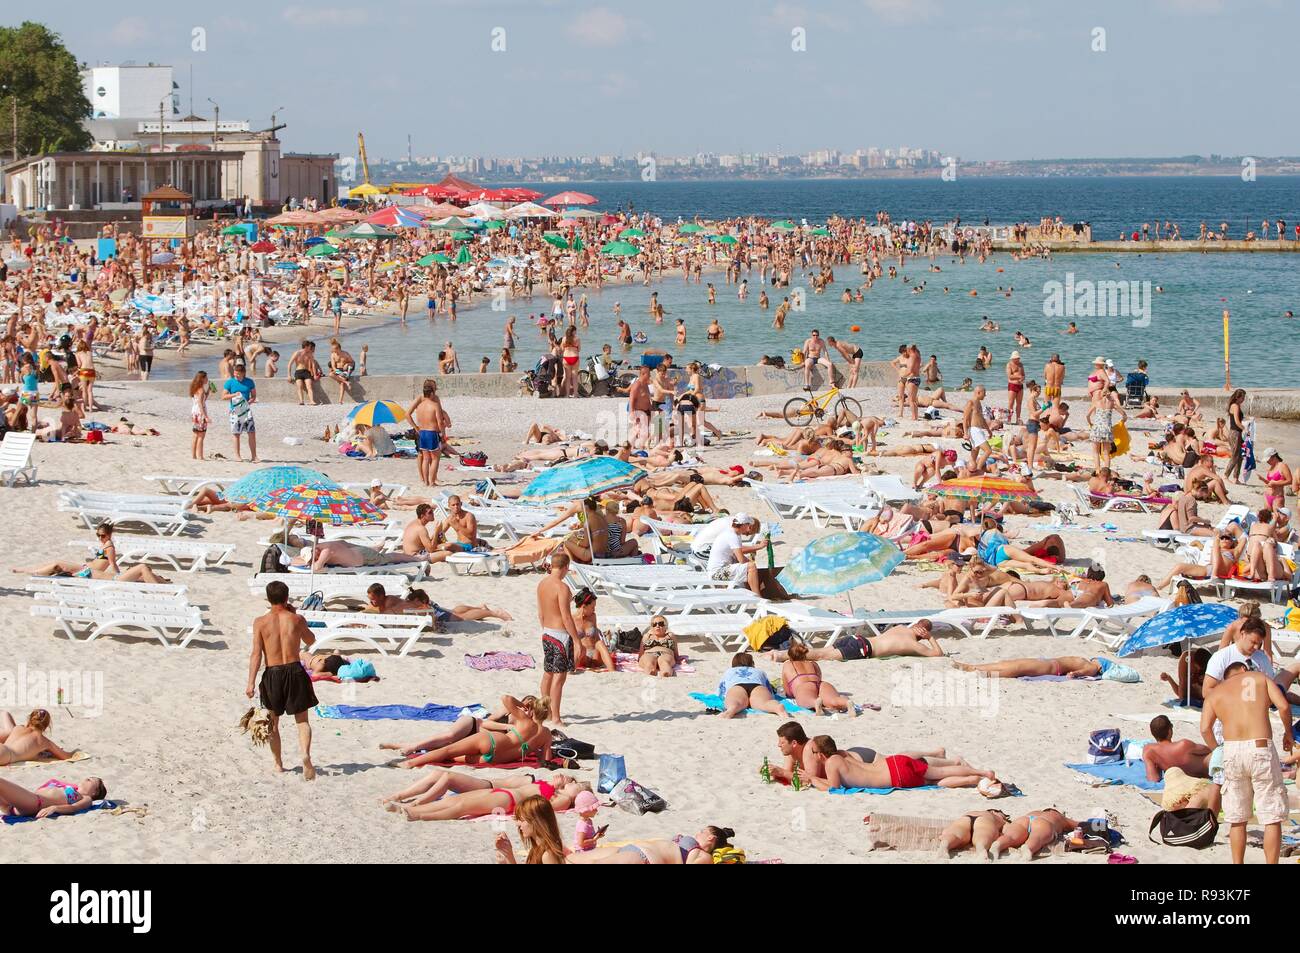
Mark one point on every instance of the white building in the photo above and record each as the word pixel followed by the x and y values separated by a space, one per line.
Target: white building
pixel 129 91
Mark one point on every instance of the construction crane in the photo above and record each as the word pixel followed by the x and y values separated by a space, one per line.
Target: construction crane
pixel 365 164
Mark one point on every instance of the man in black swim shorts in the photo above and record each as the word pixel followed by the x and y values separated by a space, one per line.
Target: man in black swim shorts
pixel 285 688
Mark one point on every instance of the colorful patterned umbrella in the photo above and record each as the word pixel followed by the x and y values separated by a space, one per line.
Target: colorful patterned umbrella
pixel 261 482
pixel 1180 624
pixel 324 502
pixel 840 562
pixel 986 488
pixel 578 479
pixel 377 412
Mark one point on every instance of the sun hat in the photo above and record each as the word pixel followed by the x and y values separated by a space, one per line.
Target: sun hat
pixel 1270 453
pixel 585 801
pixel 1015 355
pixel 1099 361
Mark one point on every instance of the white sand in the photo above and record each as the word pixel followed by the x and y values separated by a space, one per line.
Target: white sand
pixel 167 740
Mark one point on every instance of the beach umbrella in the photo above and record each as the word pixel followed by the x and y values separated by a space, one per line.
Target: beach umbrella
pixel 464 257
pixel 551 238
pixel 162 258
pixel 819 231
pixel 364 190
pixel 577 243
pixel 986 489
pixel 314 240
pixel 375 412
pixel 262 247
pixel 495 225
pixel 577 213
pixel 435 258
pixel 261 482
pixel 529 210
pixel 369 231
pixel 578 480
pixel 691 228
pixel 840 562
pixel 485 211
pixel 239 228
pixel 322 250
pixel 619 249
pixel 462 236
pixel 286 265
pixel 395 217
pixel 631 233
pixel 324 502
pixel 1180 624
pixel 785 225
pixel 723 239
pixel 570 198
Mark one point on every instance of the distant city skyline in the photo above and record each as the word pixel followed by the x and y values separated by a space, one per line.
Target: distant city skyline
pixel 1006 80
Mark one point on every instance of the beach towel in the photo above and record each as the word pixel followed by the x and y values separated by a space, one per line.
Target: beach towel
pixel 1131 773
pixel 500 661
pixel 429 712
pixel 1058 678
pixel 97 806
pixel 924 787
pixel 716 703
pixel 626 662
pixel 46 759
pixel 903 832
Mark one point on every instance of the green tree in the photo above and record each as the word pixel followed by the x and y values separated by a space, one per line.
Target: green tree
pixel 37 68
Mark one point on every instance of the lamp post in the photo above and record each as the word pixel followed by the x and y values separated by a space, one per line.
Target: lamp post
pixel 216 121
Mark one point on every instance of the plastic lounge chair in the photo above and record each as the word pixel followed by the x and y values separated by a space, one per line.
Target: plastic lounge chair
pixel 173 553
pixel 15 458
pixel 173 626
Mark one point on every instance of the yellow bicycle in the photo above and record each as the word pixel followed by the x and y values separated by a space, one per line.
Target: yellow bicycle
pixel 801 411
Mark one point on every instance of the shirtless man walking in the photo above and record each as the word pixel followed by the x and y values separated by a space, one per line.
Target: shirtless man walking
pixel 814 353
pixel 431 422
pixel 285 688
pixel 639 407
pixel 303 370
pixel 559 632
pixel 977 429
pixel 1252 772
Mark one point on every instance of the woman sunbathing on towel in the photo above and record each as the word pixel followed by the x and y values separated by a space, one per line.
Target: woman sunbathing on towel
pixel 1032 833
pixel 28 742
pixel 682 849
pixel 520 738
pixel 498 800
pixel 102 565
pixel 803 682
pixel 1070 666
pixel 52 797
pixel 895 771
pixel 466 725
pixel 978 829
pixel 744 686
pixel 337 552
pixel 441 781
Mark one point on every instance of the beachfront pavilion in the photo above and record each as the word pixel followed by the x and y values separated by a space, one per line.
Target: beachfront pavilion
pixel 110 181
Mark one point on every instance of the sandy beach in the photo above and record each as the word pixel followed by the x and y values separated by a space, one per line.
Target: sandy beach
pixel 166 739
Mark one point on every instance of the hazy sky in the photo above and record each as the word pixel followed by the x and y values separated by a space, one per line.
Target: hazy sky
pixel 981 79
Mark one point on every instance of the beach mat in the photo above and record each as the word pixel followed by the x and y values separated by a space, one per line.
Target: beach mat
pixel 429 712
pixel 1131 773
pixel 627 662
pixel 97 806
pixel 716 703
pixel 924 787
pixel 1058 678
pixel 500 661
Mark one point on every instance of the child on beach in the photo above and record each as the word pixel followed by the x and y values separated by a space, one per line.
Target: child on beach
pixel 585 836
pixel 199 413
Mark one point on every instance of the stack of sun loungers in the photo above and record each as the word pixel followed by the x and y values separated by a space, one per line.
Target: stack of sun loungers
pixel 85 609
pixel 163 514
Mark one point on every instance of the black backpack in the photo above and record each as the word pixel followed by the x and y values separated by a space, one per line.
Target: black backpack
pixel 271 560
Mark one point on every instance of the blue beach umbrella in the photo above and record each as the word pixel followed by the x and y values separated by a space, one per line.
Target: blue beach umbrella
pixel 286 265
pixel 376 412
pixel 1180 624
pixel 314 240
pixel 840 562
pixel 259 483
pixel 580 478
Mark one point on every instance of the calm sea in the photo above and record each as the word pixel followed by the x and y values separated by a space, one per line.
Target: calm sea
pixel 1183 295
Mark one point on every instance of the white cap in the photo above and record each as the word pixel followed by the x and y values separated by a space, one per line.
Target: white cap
pixel 1109 362
pixel 1099 360
pixel 1270 453
pixel 375 483
pixel 741 519
pixel 1015 355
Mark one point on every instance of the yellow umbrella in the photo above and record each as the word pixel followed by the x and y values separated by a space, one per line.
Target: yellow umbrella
pixel 364 190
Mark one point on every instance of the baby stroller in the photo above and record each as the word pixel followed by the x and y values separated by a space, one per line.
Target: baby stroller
pixel 539 380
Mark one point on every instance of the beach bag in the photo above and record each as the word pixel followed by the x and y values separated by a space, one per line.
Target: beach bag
pixel 627 641
pixel 94 436
pixel 769 632
pixel 571 748
pixel 1189 827
pixel 1291 617
pixel 612 771
pixel 1105 746
pixel 271 560
pixel 635 799
pixel 476 459
pixel 728 855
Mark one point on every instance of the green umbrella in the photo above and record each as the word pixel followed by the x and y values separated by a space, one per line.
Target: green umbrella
pixel 551 238
pixel 320 251
pixel 577 243
pixel 368 230
pixel 335 233
pixel 784 225
pixel 495 224
pixel 631 233
pixel 620 249
pixel 462 236
pixel 435 258
pixel 463 257
pixel 449 224
pixel 819 231
pixel 724 239
pixel 691 228
pixel 239 228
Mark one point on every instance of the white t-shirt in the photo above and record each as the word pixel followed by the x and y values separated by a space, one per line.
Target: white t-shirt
pixel 703 539
pixel 1219 662
pixel 723 552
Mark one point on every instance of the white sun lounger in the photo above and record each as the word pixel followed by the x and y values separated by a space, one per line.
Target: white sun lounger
pixel 410 569
pixel 188 485
pixel 153 502
pixel 332 586
pixel 382 632
pixel 163 523
pixel 723 629
pixel 182 555
pixel 600 579
pixel 684 601
pixel 1090 503
pixel 890 487
pixel 174 627
pixel 16 458
pixel 78 583
pixel 1114 624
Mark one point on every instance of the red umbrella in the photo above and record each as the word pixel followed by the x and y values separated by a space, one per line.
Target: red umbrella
pixel 262 246
pixel 570 198
pixel 518 194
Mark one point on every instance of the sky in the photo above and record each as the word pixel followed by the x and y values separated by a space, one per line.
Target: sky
pixel 980 79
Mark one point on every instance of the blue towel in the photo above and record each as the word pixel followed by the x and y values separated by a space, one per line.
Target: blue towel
pixel 924 787
pixel 715 701
pixel 429 712
pixel 1132 773
pixel 98 805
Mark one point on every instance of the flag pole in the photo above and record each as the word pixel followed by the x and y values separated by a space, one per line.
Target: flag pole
pixel 1227 363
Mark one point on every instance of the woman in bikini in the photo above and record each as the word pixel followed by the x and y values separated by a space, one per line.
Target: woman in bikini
pixel 538 829
pixel 978 829
pixel 522 735
pixel 570 353
pixel 1263 563
pixel 595 655
pixel 1069 666
pixel 682 849
pixel 1032 832
pixel 1276 480
pixel 498 800
pixel 52 797
pixel 101 565
pixel 442 781
pixel 803 682
pixel 27 742
pixel 1225 555
pixel 467 725
pixel 658 653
